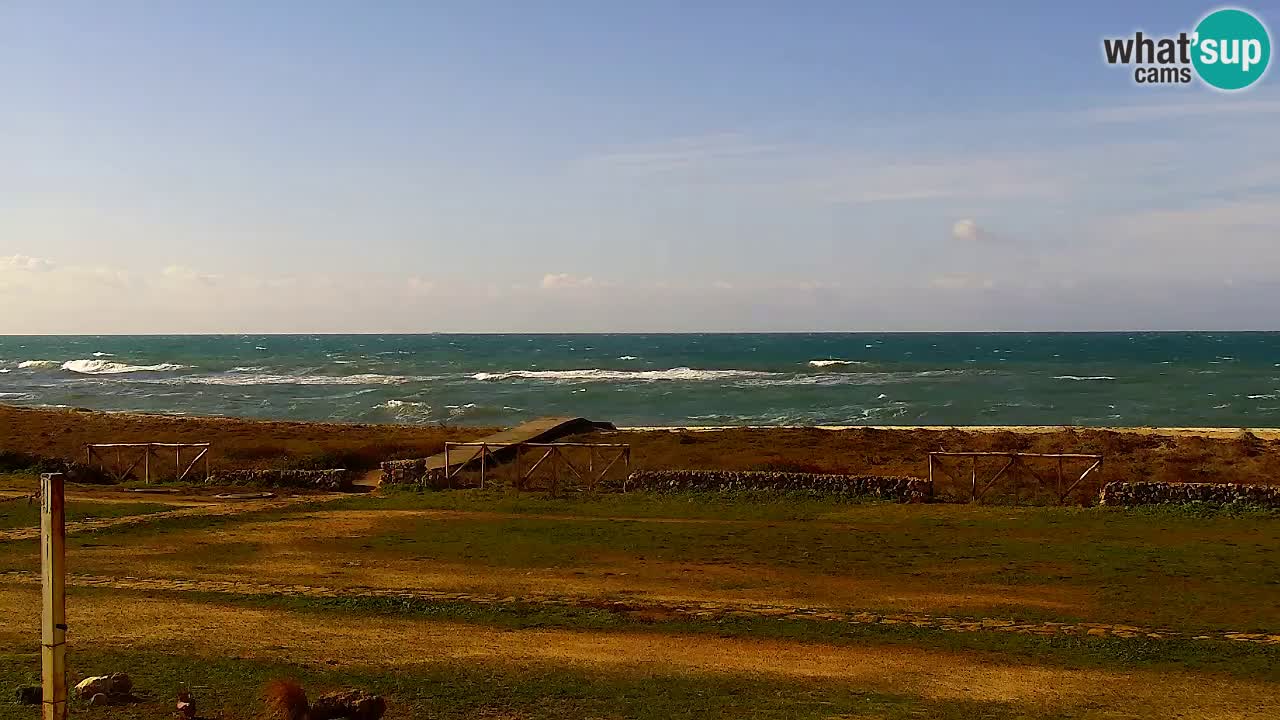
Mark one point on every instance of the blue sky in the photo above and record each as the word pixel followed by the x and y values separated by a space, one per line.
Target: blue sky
pixel 607 166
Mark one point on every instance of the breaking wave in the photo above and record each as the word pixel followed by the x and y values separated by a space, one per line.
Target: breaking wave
pixel 35 364
pixel 106 367
pixel 406 409
pixel 258 378
pixel 829 363
pixel 1085 377
pixel 739 378
pixel 680 374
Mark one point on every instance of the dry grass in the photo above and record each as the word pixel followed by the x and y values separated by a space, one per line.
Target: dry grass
pixel 200 629
pixel 1174 456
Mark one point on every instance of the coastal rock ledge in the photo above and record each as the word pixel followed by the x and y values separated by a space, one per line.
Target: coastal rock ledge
pixel 1127 494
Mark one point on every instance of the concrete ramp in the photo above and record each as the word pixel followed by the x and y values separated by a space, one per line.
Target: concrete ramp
pixel 547 429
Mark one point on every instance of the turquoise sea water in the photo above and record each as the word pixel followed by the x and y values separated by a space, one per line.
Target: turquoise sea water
pixel 1175 379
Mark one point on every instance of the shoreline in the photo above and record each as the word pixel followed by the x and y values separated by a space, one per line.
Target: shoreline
pixel 1215 432
pixel 1225 431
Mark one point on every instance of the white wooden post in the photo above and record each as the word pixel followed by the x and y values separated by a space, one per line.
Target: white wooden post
pixel 53 624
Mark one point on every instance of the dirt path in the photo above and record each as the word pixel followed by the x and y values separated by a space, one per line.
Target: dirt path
pixel 652 610
pixel 208 630
pixel 209 508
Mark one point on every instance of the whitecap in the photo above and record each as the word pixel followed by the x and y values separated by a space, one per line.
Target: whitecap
pixel 628 357
pixel 1084 377
pixel 106 367
pixel 1269 396
pixel 33 364
pixel 102 354
pixel 682 374
pixel 829 363
pixel 256 378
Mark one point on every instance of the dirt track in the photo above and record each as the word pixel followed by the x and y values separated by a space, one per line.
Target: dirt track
pixel 649 609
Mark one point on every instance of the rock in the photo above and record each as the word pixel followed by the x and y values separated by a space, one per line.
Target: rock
pixel 114 687
pixel 30 695
pixel 352 704
pixel 121 684
pixel 90 686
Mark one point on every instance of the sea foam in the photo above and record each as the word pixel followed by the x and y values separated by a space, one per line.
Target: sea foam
pixel 257 378
pixel 681 374
pixel 36 364
pixel 829 363
pixel 106 367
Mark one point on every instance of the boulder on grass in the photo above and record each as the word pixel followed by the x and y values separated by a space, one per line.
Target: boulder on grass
pixel 350 704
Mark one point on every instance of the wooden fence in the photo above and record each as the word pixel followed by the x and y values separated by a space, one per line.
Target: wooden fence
pixel 1024 483
pixel 129 456
pixel 587 463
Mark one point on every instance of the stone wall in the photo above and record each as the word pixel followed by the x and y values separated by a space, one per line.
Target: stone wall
pixel 902 489
pixel 310 479
pixel 410 472
pixel 1157 493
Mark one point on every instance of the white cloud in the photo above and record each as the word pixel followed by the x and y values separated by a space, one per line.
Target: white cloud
pixel 556 281
pixel 183 274
pixel 26 263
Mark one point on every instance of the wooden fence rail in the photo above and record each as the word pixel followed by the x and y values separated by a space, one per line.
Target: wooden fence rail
pixel 1060 484
pixel 553 457
pixel 129 453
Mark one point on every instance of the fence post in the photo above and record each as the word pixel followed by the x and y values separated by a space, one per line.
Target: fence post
pixel 930 474
pixel 53 616
pixel 973 479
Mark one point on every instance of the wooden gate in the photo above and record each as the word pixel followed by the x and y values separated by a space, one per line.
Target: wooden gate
pixel 1015 472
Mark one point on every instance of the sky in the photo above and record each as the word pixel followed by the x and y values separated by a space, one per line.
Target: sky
pixel 549 166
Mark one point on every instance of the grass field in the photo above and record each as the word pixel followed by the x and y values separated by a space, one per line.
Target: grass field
pixel 471 604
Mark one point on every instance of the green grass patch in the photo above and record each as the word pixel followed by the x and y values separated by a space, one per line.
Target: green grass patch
pixel 23 513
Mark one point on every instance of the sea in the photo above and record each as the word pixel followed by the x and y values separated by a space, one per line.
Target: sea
pixel 1179 379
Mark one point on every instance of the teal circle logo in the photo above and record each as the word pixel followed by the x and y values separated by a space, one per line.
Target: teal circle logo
pixel 1232 49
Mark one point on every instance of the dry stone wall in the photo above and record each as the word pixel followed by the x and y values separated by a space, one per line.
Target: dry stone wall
pixel 902 489
pixel 1157 493
pixel 410 472
pixel 311 479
